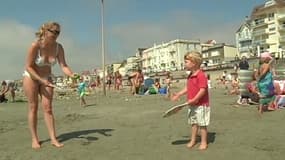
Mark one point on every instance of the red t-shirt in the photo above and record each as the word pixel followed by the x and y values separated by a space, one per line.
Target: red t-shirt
pixel 194 84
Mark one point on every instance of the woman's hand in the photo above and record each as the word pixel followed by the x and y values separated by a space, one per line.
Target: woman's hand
pixel 75 76
pixel 47 83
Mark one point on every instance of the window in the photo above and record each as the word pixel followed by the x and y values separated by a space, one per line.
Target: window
pixel 272 29
pixel 215 53
pixel 270 16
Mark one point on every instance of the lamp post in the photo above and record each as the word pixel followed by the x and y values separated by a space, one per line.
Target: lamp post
pixel 103 47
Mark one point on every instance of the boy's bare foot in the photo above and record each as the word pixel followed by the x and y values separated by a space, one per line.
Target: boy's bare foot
pixel 57 144
pixel 190 145
pixel 203 147
pixel 36 145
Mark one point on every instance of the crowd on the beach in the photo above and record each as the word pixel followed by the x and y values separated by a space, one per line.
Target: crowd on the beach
pixel 262 86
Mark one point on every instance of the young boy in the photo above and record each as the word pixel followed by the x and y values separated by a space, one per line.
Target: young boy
pixel 81 91
pixel 197 98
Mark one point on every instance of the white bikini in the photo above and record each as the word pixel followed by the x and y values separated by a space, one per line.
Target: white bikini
pixel 40 61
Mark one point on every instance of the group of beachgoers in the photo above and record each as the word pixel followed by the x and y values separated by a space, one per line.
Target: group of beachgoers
pixel 143 85
pixel 7 87
pixel 263 88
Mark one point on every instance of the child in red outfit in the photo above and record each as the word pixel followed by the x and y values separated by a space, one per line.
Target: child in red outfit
pixel 197 98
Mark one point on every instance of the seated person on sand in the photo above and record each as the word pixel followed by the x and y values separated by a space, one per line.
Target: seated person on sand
pixel 235 86
pixel 220 81
pixel 154 88
pixel 167 82
pixel 280 94
pixel 252 97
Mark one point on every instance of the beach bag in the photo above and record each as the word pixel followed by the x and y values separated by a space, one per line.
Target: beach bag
pixel 2 98
pixel 162 90
pixel 152 90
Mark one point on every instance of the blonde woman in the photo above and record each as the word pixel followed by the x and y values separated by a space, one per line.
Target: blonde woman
pixel 42 55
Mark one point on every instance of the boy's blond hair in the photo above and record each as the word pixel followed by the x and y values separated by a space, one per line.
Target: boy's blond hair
pixel 194 56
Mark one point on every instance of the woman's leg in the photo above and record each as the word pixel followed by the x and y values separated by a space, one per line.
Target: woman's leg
pixel 47 95
pixel 31 89
pixel 260 109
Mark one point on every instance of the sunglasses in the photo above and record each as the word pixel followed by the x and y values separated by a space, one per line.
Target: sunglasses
pixel 55 32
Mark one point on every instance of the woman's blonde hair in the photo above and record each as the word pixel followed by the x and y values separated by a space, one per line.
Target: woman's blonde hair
pixel 44 27
pixel 194 56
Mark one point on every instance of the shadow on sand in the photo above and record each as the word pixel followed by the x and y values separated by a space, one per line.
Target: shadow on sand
pixel 82 135
pixel 211 139
pixel 90 105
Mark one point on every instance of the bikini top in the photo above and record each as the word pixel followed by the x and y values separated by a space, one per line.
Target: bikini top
pixel 40 61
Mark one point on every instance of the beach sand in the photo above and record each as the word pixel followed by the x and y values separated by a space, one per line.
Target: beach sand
pixel 124 127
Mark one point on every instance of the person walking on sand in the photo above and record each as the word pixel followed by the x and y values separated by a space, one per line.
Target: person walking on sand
pixel 197 98
pixel 3 90
pixel 82 92
pixel 265 83
pixel 118 81
pixel 167 82
pixel 43 53
pixel 137 79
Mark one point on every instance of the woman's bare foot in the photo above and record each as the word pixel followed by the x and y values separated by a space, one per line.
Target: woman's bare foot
pixel 260 110
pixel 203 147
pixel 190 144
pixel 36 145
pixel 57 144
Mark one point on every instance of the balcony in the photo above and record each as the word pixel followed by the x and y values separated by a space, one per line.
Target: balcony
pixel 281 27
pixel 244 49
pixel 259 32
pixel 260 42
pixel 242 39
pixel 271 41
pixel 281 17
pixel 282 39
pixel 259 23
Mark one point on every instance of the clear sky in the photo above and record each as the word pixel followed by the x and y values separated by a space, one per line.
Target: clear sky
pixel 129 24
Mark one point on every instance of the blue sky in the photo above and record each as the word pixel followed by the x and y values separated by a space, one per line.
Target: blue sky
pixel 129 24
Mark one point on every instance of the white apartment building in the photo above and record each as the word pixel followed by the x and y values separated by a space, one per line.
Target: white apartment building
pixel 168 56
pixel 219 54
pixel 244 39
pixel 132 64
pixel 268 27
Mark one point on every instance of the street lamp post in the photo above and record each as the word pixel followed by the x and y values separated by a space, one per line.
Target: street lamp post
pixel 103 47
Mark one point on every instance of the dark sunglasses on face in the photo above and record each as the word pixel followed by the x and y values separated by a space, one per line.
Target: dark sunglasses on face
pixel 55 32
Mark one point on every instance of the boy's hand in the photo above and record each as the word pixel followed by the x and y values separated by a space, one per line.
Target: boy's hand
pixel 174 97
pixel 191 102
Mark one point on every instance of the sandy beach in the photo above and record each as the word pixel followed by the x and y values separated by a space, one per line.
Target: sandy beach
pixel 124 127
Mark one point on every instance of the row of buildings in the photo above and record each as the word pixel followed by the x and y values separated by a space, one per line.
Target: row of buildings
pixel 263 30
pixel 170 56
